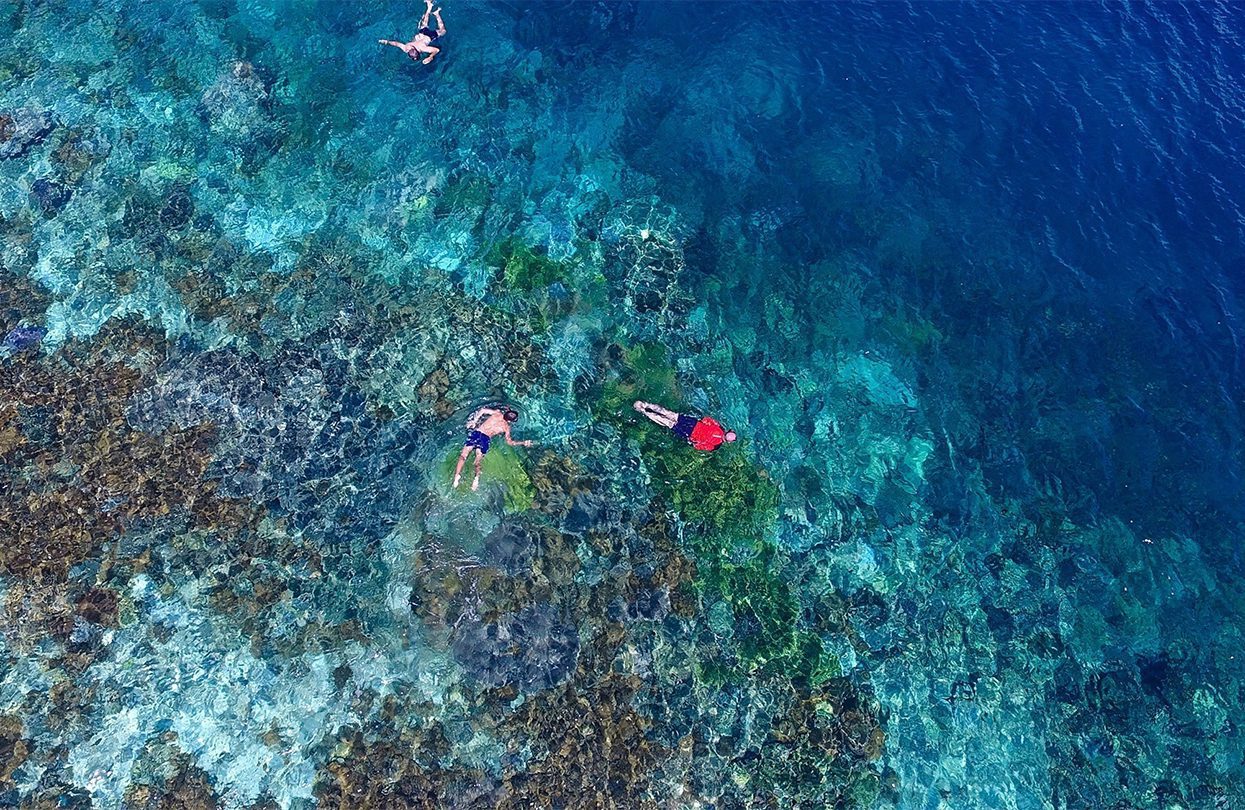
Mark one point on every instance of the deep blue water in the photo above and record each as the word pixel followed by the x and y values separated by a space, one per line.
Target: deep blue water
pixel 967 278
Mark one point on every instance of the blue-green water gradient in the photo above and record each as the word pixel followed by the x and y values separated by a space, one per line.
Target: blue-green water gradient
pixel 968 280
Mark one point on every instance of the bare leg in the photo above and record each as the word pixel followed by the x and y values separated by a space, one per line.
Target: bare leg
pixel 662 416
pixel 458 471
pixel 475 483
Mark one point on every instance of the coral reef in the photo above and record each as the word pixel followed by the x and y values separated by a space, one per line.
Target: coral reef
pixel 399 770
pixel 239 107
pixel 80 472
pixel 590 749
pixel 978 543
pixel 531 650
pixel 14 749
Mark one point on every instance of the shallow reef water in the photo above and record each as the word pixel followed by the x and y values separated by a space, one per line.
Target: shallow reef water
pixel 968 280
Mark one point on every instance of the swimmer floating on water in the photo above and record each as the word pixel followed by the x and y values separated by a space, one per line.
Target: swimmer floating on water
pixel 422 43
pixel 701 432
pixel 482 426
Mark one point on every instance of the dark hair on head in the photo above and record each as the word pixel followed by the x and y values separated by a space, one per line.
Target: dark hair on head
pixel 510 415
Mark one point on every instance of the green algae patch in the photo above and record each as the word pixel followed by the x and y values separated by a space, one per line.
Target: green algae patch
pixel 501 467
pixel 642 371
pixel 915 335
pixel 523 269
pixel 729 507
pixel 652 374
pixel 767 635
pixel 467 194
pixel 731 503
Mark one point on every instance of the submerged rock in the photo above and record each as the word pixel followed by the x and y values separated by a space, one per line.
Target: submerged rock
pixel 21 301
pixel 177 210
pixel 23 337
pixel 78 153
pixel 511 547
pixel 238 107
pixel 50 195
pixel 391 770
pixel 14 749
pixel 531 649
pixel 238 100
pixel 23 129
pixel 189 788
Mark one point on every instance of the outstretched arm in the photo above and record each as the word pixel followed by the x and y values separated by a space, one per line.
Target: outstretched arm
pixel 513 443
pixel 392 42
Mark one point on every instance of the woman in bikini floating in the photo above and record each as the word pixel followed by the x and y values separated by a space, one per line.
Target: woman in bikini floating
pixel 422 43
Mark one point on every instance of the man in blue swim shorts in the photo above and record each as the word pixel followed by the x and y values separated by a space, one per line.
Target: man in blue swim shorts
pixel 422 43
pixel 482 427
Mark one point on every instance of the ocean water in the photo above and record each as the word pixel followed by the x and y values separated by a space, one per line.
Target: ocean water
pixel 967 279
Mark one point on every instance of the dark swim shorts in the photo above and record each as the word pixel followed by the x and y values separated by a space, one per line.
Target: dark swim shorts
pixel 684 426
pixel 477 440
pixel 428 32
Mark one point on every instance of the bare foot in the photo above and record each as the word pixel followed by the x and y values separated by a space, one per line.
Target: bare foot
pixel 475 483
pixel 457 478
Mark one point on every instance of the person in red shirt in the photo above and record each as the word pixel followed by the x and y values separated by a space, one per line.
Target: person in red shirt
pixel 701 432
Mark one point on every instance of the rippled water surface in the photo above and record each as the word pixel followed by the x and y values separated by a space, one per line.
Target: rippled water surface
pixel 968 280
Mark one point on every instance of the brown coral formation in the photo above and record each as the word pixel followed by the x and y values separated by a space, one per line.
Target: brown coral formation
pixel 79 151
pixel 435 389
pixel 167 779
pixel 73 466
pixel 557 479
pixel 14 749
pixel 585 747
pixel 189 789
pixel 589 749
pixel 31 612
pixel 398 771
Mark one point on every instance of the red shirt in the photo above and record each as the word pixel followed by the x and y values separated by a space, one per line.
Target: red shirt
pixel 707 434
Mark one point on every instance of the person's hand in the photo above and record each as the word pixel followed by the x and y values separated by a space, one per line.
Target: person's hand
pixel 527 442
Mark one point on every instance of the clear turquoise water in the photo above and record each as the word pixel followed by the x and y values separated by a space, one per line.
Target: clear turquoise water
pixel 967 280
